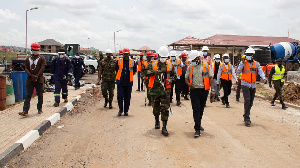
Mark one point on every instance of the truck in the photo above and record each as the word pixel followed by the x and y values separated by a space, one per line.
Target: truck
pixel 91 64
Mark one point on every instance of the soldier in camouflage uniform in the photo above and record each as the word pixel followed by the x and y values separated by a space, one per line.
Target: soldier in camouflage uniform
pixel 107 71
pixel 149 60
pixel 157 74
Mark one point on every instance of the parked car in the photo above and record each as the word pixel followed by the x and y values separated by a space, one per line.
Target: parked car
pixel 90 62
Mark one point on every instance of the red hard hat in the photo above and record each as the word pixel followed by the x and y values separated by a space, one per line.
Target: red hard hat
pixel 150 54
pixel 126 50
pixel 183 54
pixel 155 55
pixel 121 52
pixel 141 54
pixel 35 46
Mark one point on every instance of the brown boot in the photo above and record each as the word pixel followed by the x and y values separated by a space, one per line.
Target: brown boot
pixel 23 114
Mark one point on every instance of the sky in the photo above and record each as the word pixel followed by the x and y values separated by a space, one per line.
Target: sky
pixel 154 23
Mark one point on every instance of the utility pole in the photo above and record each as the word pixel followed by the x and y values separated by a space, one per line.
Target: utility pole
pixel 115 41
pixel 26 26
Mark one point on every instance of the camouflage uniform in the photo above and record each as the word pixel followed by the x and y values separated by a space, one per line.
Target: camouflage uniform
pixel 173 78
pixel 160 100
pixel 108 78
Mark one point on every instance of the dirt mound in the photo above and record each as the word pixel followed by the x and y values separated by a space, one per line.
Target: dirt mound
pixel 291 93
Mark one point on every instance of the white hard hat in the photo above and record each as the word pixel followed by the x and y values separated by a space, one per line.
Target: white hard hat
pixel 225 55
pixel 205 48
pixel 173 53
pixel 193 54
pixel 217 56
pixel 163 51
pixel 108 51
pixel 250 50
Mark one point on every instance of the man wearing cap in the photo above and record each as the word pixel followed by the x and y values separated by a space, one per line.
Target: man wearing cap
pixel 277 75
pixel 238 89
pixel 225 74
pixel 159 74
pixel 108 76
pixel 34 67
pixel 126 69
pixel 140 62
pixel 199 79
pixel 249 69
pixel 61 73
pixel 77 64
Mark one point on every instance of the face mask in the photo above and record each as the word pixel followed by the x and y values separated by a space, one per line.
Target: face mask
pixel 217 61
pixel 163 60
pixel 121 56
pixel 152 58
pixel 194 63
pixel 35 52
pixel 204 53
pixel 61 56
pixel 76 56
pixel 173 58
pixel 226 60
pixel 184 59
pixel 249 58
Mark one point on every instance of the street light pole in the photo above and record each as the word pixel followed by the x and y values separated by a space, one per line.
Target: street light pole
pixel 26 26
pixel 115 41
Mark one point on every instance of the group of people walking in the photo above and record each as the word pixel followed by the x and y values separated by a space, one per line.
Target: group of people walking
pixel 195 74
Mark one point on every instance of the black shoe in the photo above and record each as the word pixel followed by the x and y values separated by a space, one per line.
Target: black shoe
pixel 138 90
pixel 247 123
pixel 157 123
pixel 227 105
pixel 149 104
pixel 40 111
pixel 55 104
pixel 284 106
pixel 66 101
pixel 218 99
pixel 237 99
pixel 110 105
pixel 197 133
pixel 119 113
pixel 125 113
pixel 201 128
pixel 106 101
pixel 164 130
pixel 178 103
pixel 272 103
pixel 223 101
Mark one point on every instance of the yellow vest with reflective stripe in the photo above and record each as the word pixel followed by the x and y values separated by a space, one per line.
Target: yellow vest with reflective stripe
pixel 278 75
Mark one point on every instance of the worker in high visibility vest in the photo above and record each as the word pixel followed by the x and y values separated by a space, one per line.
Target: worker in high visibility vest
pixel 184 86
pixel 249 69
pixel 215 68
pixel 140 62
pixel 277 75
pixel 126 69
pixel 150 58
pixel 199 78
pixel 178 65
pixel 159 82
pixel 225 74
pixel 238 89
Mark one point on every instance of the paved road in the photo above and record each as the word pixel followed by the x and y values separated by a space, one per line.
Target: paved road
pixel 93 136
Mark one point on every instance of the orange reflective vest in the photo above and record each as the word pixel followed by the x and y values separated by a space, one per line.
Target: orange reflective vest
pixel 226 74
pixel 152 78
pixel 119 73
pixel 179 68
pixel 169 69
pixel 205 71
pixel 249 74
pixel 139 65
pixel 146 63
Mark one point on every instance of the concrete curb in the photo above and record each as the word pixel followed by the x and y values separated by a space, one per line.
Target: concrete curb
pixel 34 134
pixel 277 101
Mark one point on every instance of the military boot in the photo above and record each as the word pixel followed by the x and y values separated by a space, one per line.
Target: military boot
pixel 149 104
pixel 106 101
pixel 157 123
pixel 164 130
pixel 110 105
pixel 284 106
pixel 272 102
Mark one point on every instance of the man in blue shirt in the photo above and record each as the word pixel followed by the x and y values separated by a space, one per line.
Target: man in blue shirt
pixel 126 69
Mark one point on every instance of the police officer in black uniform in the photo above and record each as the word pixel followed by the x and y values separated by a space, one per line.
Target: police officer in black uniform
pixel 77 63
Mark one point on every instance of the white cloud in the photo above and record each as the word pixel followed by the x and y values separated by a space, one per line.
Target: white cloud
pixel 7 16
pixel 12 37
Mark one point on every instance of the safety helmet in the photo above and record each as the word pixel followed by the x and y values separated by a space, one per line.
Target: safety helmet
pixel 35 46
pixel 243 57
pixel 108 51
pixel 225 55
pixel 205 48
pixel 183 54
pixel 61 53
pixel 141 54
pixel 193 54
pixel 173 53
pixel 250 50
pixel 120 52
pixel 163 51
pixel 126 50
pixel 155 55
pixel 150 54
pixel 217 56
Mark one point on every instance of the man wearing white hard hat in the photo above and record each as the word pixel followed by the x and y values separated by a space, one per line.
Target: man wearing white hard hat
pixel 178 65
pixel 108 76
pixel 199 79
pixel 215 67
pixel 225 74
pixel 249 69
pixel 205 57
pixel 160 79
